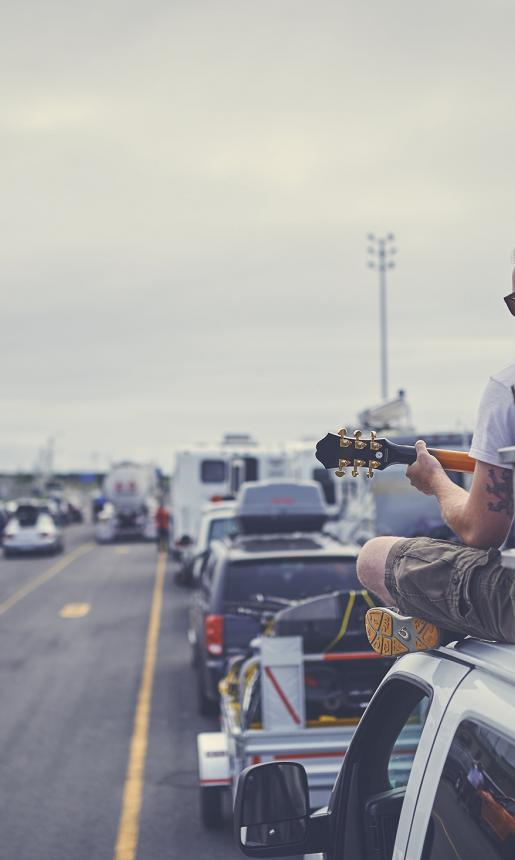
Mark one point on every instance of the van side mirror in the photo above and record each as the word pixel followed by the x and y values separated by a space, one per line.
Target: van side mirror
pixel 272 812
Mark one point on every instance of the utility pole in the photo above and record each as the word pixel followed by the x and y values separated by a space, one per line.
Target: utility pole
pixel 381 251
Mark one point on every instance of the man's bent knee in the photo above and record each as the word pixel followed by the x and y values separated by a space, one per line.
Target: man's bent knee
pixel 371 565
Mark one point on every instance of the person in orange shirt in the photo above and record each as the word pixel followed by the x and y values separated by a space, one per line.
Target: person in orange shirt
pixel 163 527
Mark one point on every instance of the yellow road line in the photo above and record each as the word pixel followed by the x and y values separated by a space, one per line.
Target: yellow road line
pixel 45 577
pixel 128 828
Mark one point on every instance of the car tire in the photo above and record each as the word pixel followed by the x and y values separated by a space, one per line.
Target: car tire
pixel 183 576
pixel 7 553
pixel 206 706
pixel 194 657
pixel 211 807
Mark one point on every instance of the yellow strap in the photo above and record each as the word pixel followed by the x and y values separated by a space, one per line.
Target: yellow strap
pixel 346 615
pixel 366 597
pixel 345 621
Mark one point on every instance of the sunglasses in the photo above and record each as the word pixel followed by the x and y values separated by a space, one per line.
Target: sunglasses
pixel 510 301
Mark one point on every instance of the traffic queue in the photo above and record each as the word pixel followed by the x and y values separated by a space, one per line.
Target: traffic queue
pixel 318 743
pixel 278 642
pixel 279 650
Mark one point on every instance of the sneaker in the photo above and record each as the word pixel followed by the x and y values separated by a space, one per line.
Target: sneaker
pixel 392 634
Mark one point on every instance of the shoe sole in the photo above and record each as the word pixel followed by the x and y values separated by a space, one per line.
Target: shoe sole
pixel 391 635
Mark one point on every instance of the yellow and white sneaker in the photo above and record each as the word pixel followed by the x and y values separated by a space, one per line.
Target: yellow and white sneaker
pixel 392 634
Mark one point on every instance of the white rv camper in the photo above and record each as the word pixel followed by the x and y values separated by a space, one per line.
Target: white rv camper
pixel 212 473
pixel 304 466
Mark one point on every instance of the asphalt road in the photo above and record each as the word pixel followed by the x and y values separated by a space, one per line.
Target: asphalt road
pixel 70 689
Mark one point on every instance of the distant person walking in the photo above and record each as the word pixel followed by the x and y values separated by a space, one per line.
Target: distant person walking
pixel 163 527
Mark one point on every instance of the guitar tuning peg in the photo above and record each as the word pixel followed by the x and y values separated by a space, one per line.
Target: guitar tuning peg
pixel 341 466
pixel 373 464
pixel 344 443
pixel 359 444
pixel 374 444
pixel 357 465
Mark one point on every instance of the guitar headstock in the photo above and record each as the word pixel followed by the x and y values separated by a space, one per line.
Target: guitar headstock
pixel 342 451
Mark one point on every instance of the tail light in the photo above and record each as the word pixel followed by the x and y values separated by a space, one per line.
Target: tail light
pixel 311 681
pixel 214 634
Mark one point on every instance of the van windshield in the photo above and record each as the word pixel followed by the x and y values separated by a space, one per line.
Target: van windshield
pixel 291 578
pixel 219 529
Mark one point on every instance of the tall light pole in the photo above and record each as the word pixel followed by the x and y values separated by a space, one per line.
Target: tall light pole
pixel 381 251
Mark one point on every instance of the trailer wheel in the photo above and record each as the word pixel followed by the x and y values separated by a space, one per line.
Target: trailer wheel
pixel 211 807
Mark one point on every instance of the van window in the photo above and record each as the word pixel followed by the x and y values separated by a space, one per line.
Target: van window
pixel 218 529
pixel 206 575
pixel 377 769
pixel 405 747
pixel 251 468
pixel 473 814
pixel 213 471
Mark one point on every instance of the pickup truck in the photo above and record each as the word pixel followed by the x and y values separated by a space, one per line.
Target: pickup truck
pixel 456 801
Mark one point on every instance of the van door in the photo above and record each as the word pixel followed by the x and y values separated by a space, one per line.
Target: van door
pixel 374 798
pixel 466 805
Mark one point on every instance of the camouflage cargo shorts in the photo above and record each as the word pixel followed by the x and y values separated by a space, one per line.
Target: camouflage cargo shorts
pixel 455 587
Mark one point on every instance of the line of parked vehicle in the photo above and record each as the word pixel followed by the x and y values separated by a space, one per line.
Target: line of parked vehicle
pixel 278 645
pixel 268 577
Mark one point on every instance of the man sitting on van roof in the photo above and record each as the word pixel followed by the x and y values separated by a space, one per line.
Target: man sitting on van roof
pixel 443 590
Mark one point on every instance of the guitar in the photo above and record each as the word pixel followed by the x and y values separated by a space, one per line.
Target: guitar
pixel 338 451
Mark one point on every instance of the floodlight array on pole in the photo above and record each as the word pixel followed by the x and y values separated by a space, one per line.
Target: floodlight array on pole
pixel 381 250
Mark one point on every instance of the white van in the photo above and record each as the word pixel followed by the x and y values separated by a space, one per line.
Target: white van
pixel 217 522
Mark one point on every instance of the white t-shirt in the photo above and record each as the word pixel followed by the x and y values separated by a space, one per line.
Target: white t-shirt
pixel 495 427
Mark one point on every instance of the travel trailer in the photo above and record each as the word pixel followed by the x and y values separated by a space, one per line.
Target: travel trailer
pixel 212 473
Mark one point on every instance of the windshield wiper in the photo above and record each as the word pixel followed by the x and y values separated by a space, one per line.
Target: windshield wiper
pixel 259 602
pixel 271 598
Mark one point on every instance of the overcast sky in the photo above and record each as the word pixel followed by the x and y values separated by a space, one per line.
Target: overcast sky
pixel 186 189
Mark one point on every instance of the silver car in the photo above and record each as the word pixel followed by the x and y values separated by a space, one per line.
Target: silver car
pixel 31 528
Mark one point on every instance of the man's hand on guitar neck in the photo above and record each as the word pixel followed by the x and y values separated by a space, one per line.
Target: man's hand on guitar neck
pixel 481 517
pixel 426 474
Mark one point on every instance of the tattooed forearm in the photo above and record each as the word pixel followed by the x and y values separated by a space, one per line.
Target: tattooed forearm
pixel 502 489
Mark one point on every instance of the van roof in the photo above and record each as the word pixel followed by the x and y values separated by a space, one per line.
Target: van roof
pixel 495 657
pixel 219 510
pixel 294 545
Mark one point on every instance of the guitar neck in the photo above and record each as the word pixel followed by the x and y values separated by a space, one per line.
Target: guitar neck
pixel 452 461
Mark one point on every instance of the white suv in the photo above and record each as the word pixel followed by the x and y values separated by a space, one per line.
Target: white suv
pixel 217 522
